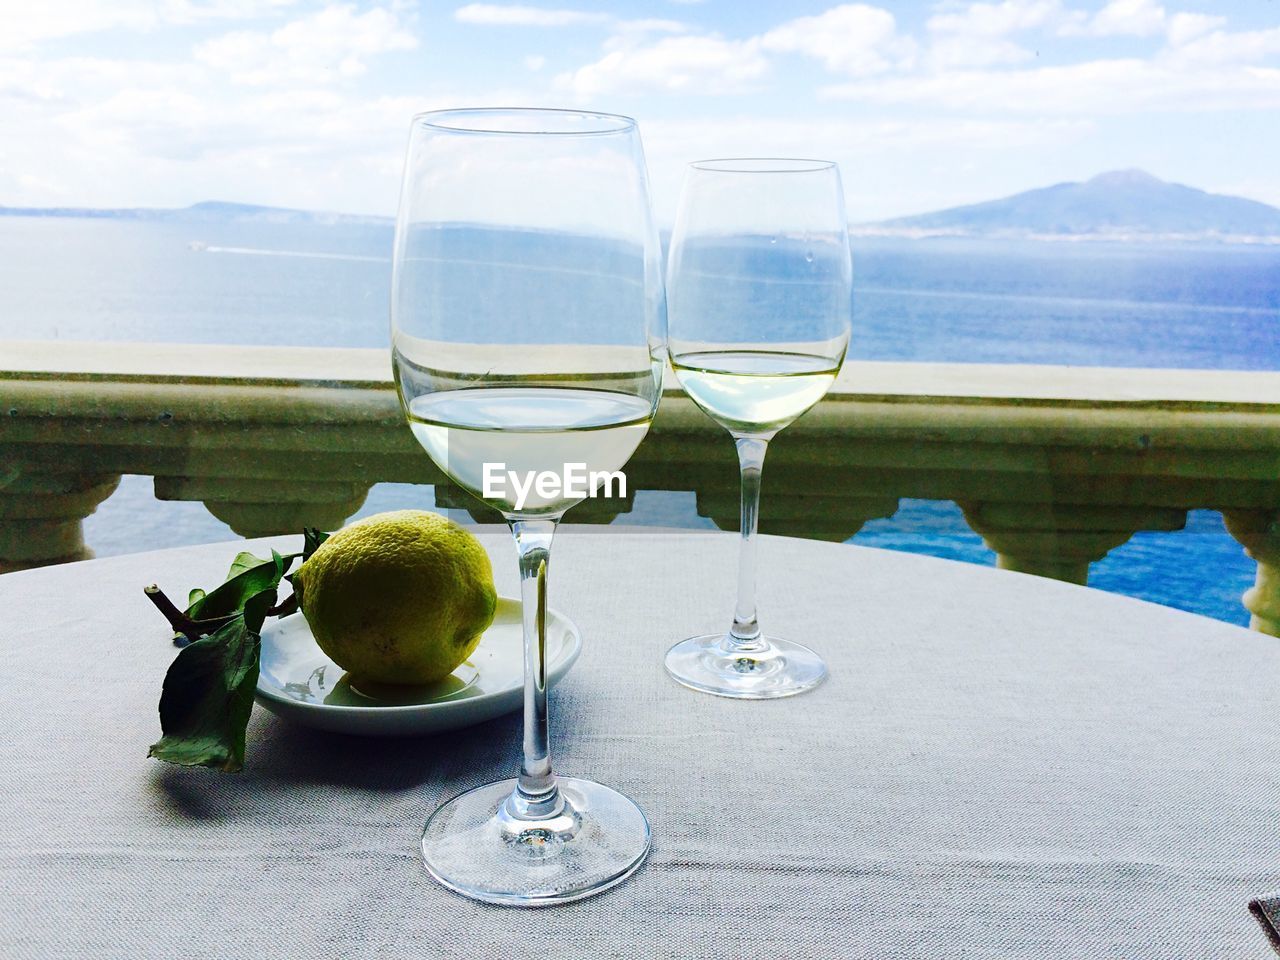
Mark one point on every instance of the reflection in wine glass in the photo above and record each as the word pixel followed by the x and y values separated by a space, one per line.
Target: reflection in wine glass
pixel 760 285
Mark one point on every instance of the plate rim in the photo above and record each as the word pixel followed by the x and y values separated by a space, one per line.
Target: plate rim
pixel 555 672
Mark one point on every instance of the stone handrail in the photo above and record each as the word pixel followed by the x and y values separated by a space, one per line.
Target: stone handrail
pixel 1053 466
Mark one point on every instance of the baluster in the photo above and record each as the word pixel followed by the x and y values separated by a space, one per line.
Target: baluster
pixel 1258 531
pixel 1060 540
pixel 41 514
pixel 257 508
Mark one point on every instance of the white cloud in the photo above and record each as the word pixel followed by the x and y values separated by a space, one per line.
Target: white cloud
pixel 195 11
pixel 244 55
pixel 997 19
pixel 916 121
pixel 975 51
pixel 683 64
pixel 1202 68
pixel 75 80
pixel 334 42
pixel 1139 18
pixel 29 24
pixel 978 35
pixel 852 38
pixel 1097 87
pixel 650 25
pixel 144 133
pixel 835 133
pixel 1226 48
pixel 1185 27
pixel 855 39
pixel 515 15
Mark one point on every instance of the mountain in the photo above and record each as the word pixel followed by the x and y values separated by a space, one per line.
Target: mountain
pixel 208 211
pixel 1123 204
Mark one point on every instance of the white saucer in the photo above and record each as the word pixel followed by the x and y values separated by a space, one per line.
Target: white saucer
pixel 297 681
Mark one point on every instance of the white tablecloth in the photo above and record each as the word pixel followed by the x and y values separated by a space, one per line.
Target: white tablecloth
pixel 999 766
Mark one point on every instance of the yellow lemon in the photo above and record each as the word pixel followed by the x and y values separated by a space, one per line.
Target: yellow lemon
pixel 400 597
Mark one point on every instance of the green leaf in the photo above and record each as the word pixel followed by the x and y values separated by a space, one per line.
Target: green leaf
pixel 208 693
pixel 312 537
pixel 249 576
pixel 311 540
pixel 244 561
pixel 208 690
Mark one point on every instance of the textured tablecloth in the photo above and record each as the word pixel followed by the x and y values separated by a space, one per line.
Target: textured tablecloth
pixel 999 766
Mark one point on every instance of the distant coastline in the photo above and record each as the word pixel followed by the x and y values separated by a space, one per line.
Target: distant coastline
pixel 1101 236
pixel 1123 206
pixel 208 211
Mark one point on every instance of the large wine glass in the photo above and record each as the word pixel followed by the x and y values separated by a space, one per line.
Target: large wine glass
pixel 528 325
pixel 759 281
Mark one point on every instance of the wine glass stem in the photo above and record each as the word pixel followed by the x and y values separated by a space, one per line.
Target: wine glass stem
pixel 745 635
pixel 536 796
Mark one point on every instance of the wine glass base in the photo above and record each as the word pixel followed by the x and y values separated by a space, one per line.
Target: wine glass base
pixel 780 669
pixel 474 847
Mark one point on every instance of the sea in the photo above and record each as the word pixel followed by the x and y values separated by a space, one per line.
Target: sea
pixel 957 300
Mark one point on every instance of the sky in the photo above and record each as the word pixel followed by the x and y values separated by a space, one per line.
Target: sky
pixel 925 105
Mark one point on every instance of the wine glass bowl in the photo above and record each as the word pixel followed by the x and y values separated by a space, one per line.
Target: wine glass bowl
pixel 528 338
pixel 759 281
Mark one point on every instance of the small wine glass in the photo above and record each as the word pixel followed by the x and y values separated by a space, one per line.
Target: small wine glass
pixel 528 339
pixel 759 281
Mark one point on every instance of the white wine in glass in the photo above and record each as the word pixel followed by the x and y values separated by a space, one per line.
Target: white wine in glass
pixel 754 390
pixel 528 344
pixel 760 285
pixel 532 430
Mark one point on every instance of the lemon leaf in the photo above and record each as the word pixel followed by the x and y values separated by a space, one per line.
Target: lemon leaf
pixel 312 537
pixel 244 561
pixel 208 693
pixel 249 575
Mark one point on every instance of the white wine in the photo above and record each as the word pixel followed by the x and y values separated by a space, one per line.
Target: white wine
pixel 754 391
pixel 530 431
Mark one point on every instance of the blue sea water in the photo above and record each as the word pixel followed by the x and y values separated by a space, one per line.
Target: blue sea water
pixel 1098 304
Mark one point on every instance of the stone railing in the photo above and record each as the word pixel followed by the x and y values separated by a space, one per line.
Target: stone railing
pixel 1053 466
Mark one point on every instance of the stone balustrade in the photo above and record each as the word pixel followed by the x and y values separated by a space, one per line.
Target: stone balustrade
pixel 1053 466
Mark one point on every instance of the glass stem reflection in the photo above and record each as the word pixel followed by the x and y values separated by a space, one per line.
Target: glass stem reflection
pixel 536 796
pixel 745 635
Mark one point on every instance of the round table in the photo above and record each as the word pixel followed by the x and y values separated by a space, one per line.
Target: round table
pixel 998 766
